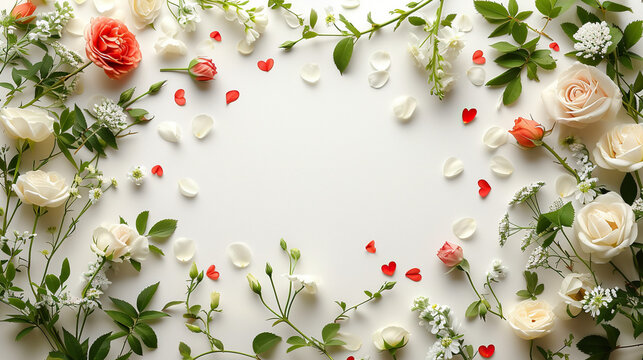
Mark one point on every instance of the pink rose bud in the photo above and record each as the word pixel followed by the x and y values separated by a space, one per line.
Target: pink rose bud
pixel 450 254
pixel 527 132
pixel 24 12
pixel 202 69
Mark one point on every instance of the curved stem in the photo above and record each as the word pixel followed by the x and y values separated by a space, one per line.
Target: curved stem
pixel 587 265
pixel 89 283
pixel 227 352
pixel 628 346
pixel 35 223
pixel 56 84
pixel 561 161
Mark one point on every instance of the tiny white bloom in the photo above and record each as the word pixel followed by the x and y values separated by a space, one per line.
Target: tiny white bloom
pixel 137 175
pixel 95 194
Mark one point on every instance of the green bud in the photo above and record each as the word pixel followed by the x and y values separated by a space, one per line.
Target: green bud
pixel 194 272
pixel 283 244
pixel 295 254
pixel 200 277
pixel 268 269
pixel 287 44
pixel 214 300
pixel 254 284
pixel 389 285
pixel 157 86
pixel 193 328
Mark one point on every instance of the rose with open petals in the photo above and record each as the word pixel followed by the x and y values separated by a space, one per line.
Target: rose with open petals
pixel 531 319
pixel 22 13
pixel 450 254
pixel 621 148
pixel 110 45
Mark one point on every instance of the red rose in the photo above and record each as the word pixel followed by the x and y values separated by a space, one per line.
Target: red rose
pixel 202 69
pixel 450 254
pixel 112 46
pixel 527 132
pixel 22 11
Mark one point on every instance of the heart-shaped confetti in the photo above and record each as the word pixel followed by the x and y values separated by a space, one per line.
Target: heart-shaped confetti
pixel 389 269
pixel 554 46
pixel 179 97
pixel 486 351
pixel 478 58
pixel 370 247
pixel 231 96
pixel 468 115
pixel 414 274
pixel 212 273
pixel 157 170
pixel 350 358
pixel 215 35
pixel 485 188
pixel 266 65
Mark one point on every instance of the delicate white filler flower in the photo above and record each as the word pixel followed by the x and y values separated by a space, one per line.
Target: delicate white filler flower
pixel 593 39
pixel 597 299
pixel 137 175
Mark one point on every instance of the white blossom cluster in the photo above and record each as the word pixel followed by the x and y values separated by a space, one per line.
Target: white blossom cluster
pixel 526 192
pixel 187 15
pixel 503 229
pixel 253 20
pixel 593 39
pixel 585 192
pixel 538 258
pixel 439 321
pixel 597 299
pixel 67 55
pixel 110 115
pixel 50 24
pixel 97 272
pixel 637 206
pixel 497 271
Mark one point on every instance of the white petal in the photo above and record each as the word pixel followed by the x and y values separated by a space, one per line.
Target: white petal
pixel 169 27
pixel 464 228
pixel 310 73
pixel 353 342
pixel 188 187
pixel 291 19
pixel 239 254
pixel 103 6
pixel 462 22
pixel 501 165
pixel 202 124
pixel 170 131
pixel 244 48
pixel 350 4
pixel 184 249
pixel 377 79
pixel 452 167
pixel 75 27
pixel 380 60
pixel 206 45
pixel 166 45
pixel 565 185
pixel 404 107
pixel 80 1
pixel 495 137
pixel 476 75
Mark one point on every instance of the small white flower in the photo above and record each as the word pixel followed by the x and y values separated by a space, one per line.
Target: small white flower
pixel 137 175
pixel 497 270
pixel 114 182
pixel 593 39
pixel 307 281
pixel 526 192
pixel 73 192
pixel 330 16
pixel 597 299
pixel 110 115
pixel 94 195
pixel 91 169
pixel 586 193
pixel 450 41
pixel 188 16
pixel 503 229
pixel 537 258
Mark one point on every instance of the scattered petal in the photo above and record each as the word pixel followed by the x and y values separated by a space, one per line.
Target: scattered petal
pixel 370 247
pixel 266 65
pixel 389 269
pixel 239 254
pixel 157 170
pixel 352 342
pixel 290 18
pixel 495 137
pixel 500 165
pixel 215 35
pixel 452 167
pixel 477 58
pixel 103 6
pixel 565 185
pixel 350 4
pixel 179 97
pixel 245 48
pixel 169 27
pixel 485 188
pixel 554 46
pixel 75 27
pixel 414 274
pixel 212 273
pixel 188 187
pixel 169 131
pixel 310 73
pixel 380 60
pixel 184 249
pixel 377 79
pixel 486 351
pixel 404 107
pixel 202 124
pixel 169 46
pixel 231 96
pixel 476 75
pixel 462 22
pixel 468 115
pixel 464 228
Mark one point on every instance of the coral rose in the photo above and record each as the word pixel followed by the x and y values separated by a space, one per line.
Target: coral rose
pixel 110 45
pixel 527 132
pixel 23 12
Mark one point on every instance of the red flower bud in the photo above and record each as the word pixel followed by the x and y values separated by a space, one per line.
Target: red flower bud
pixel 527 132
pixel 22 11
pixel 202 69
pixel 450 254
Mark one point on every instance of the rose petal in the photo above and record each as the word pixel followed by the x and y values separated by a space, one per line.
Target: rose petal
pixel 404 107
pixel 290 18
pixel 75 27
pixel 377 79
pixel 202 124
pixel 169 46
pixel 462 22
pixel 452 167
pixel 188 187
pixel 184 249
pixel 500 165
pixel 352 342
pixel 244 48
pixel 310 73
pixel 464 228
pixel 495 137
pixel 350 4
pixel 169 27
pixel 565 185
pixel 380 60
pixel 169 131
pixel 103 6
pixel 239 254
pixel 476 75
pixel 231 96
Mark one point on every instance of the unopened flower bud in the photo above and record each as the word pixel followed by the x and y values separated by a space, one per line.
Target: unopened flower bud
pixel 254 284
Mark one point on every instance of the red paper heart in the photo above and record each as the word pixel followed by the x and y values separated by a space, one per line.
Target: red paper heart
pixel 231 96
pixel 215 35
pixel 211 273
pixel 350 358
pixel 389 269
pixel 485 188
pixel 554 46
pixel 157 170
pixel 478 58
pixel 468 115
pixel 414 274
pixel 266 65
pixel 370 247
pixel 486 351
pixel 179 97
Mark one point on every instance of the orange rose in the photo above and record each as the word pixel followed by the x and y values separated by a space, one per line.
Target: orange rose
pixel 110 45
pixel 527 132
pixel 23 12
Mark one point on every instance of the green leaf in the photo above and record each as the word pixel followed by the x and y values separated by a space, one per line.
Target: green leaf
pixel 100 348
pixel 544 6
pixel 151 315
pixel 163 229
pixel 417 21
pixel 491 10
pixel 511 60
pixel 505 77
pixel 156 250
pixel 296 340
pixel 519 32
pixel 147 335
pixel 120 318
pixel 145 296
pixel 330 331
pixel 512 6
pixel 264 342
pixel 125 307
pixel 313 18
pixel 349 26
pixel 172 303
pixel 504 28
pixel 135 345
pixel 472 310
pixel 141 222
pixel 615 7
pixel 512 91
pixel 632 33
pixel 612 334
pixel 594 345
pixel 52 282
pixel 523 15
pixel 342 53
pixel 523 294
pixel 504 47
pixel 616 35
pixel 532 71
pixel 73 347
pixel 543 59
pixel 135 264
pixel 64 271
pixel 184 350
pixel 563 216
pixel 629 189
pixel 24 332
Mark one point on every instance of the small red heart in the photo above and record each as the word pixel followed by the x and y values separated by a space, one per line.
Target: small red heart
pixel 350 358
pixel 231 96
pixel 485 188
pixel 478 58
pixel 468 115
pixel 211 273
pixel 370 247
pixel 157 170
pixel 179 97
pixel 215 35
pixel 389 269
pixel 414 274
pixel 266 65
pixel 486 351
pixel 554 46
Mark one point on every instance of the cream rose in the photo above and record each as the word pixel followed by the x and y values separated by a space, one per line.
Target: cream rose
pixel 605 227
pixel 582 95
pixel 145 11
pixel 390 337
pixel 531 319
pixel 121 242
pixel 33 124
pixel 40 188
pixel 572 290
pixel 621 148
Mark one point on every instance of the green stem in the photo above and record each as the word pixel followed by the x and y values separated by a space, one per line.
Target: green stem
pixel 33 231
pixel 226 352
pixel 587 265
pixel 561 161
pixel 89 283
pixel 480 297
pixel 173 69
pixel 56 84
pixel 495 297
pixel 628 346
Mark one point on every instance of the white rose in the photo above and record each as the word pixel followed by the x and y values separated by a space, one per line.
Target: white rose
pixel 307 281
pixel 582 95
pixel 390 337
pixel 621 148
pixel 605 227
pixel 572 291
pixel 145 11
pixel 33 124
pixel 121 242
pixel 531 319
pixel 40 188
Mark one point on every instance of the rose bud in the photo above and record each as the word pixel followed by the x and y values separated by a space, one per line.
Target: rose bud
pixel 24 12
pixel 202 69
pixel 528 133
pixel 450 254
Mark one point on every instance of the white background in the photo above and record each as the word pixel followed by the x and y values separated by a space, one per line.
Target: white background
pixel 328 168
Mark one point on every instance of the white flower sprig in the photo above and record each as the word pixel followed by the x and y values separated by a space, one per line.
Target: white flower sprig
pixel 593 40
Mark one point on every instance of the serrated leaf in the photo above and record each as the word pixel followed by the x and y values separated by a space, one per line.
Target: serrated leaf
pixel 632 33
pixel 145 296
pixel 491 10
